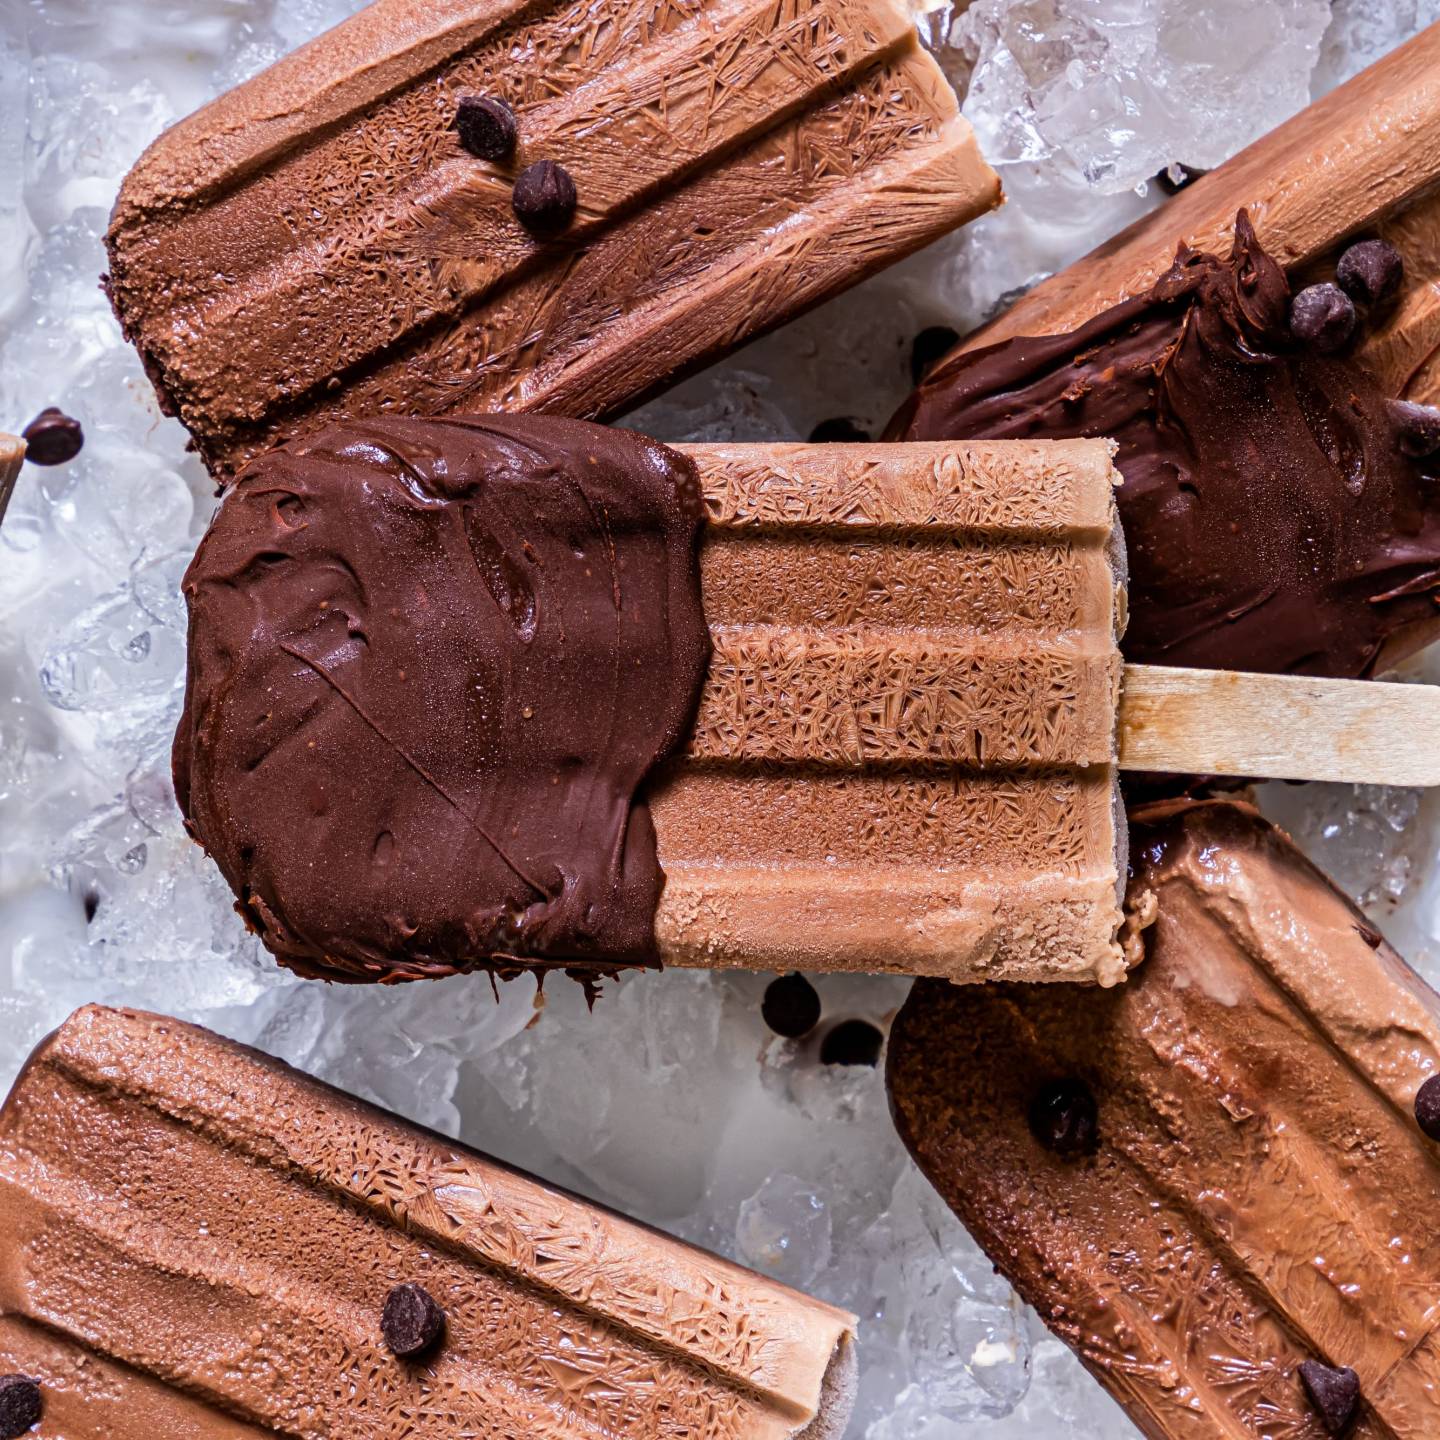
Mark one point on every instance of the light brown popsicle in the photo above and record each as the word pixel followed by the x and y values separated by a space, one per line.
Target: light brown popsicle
pixel 316 244
pixel 197 1241
pixel 905 754
pixel 1362 161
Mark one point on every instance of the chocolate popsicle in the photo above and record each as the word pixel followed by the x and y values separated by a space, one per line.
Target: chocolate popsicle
pixel 1279 509
pixel 329 241
pixel 200 1241
pixel 1213 1175
pixel 434 666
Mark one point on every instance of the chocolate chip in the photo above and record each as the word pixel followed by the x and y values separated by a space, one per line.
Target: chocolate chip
pixel 1064 1117
pixel 1417 428
pixel 1335 1393
pixel 411 1321
pixel 544 196
pixel 20 1405
pixel 791 1006
pixel 1322 316
pixel 486 126
pixel 52 438
pixel 839 431
pixel 1369 934
pixel 1427 1107
pixel 1175 177
pixel 930 345
pixel 852 1042
pixel 1370 272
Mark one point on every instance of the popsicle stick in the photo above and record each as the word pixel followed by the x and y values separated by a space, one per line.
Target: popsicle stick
pixel 1283 727
pixel 12 452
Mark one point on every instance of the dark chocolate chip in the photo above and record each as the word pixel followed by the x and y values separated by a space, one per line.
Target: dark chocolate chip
pixel 1369 934
pixel 486 126
pixel 852 1042
pixel 1175 177
pixel 1323 316
pixel 1417 428
pixel 544 196
pixel 411 1321
pixel 840 431
pixel 52 438
pixel 1335 1393
pixel 1064 1117
pixel 930 345
pixel 1370 272
pixel 1427 1107
pixel 20 1405
pixel 791 1006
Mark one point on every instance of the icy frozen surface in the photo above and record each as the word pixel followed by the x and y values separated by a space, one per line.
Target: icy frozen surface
pixel 671 1100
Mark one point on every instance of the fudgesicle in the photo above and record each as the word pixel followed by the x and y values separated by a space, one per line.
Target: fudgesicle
pixel 1217 1182
pixel 199 1243
pixel 462 205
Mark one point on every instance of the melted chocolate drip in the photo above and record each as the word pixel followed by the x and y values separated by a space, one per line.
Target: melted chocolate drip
pixel 1272 521
pixel 432 662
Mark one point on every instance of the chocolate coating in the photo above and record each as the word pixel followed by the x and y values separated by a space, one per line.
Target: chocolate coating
pixel 432 662
pixel 1271 519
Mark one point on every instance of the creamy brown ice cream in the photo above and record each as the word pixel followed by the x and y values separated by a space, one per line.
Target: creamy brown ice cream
pixel 1214 1174
pixel 319 244
pixel 197 1241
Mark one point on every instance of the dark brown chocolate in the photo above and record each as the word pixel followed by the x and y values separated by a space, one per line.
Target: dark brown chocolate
pixel 432 663
pixel 1274 520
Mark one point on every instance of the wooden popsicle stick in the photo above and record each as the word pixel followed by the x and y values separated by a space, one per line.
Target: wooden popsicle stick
pixel 1281 727
pixel 12 452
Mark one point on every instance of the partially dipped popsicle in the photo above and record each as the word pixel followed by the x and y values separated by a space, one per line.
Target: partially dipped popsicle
pixel 473 205
pixel 461 695
pixel 198 1241
pixel 1212 1182
pixel 1254 345
pixel 443 674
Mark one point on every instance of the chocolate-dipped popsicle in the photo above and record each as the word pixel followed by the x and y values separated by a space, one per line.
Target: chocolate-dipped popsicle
pixel 432 664
pixel 1280 509
pixel 1212 1181
pixel 198 1241
pixel 1271 524
pixel 344 236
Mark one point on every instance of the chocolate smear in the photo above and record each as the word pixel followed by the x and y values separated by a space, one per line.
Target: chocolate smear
pixel 544 197
pixel 432 665
pixel 53 438
pixel 1334 1392
pixel 21 1405
pixel 1271 520
pixel 486 126
pixel 791 1006
pixel 411 1321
